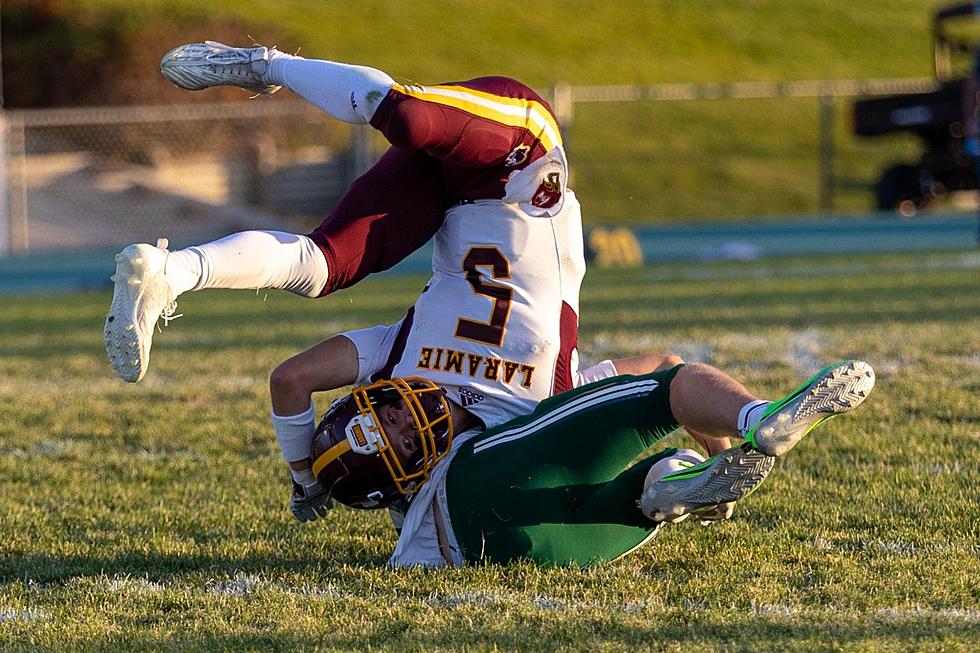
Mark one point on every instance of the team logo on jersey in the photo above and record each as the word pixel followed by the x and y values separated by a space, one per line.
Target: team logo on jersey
pixel 467 397
pixel 518 155
pixel 549 192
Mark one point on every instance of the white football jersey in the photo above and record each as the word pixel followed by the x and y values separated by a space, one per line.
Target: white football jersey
pixel 497 324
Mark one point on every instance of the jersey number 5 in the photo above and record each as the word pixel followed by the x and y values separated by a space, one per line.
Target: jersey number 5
pixel 492 332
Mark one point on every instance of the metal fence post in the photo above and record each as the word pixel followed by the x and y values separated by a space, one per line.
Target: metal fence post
pixel 17 186
pixel 563 104
pixel 827 112
pixel 5 244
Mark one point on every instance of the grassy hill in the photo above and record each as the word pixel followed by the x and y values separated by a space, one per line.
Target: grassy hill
pixel 622 41
pixel 633 161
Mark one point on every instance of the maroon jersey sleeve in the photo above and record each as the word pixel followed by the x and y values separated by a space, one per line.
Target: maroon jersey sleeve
pixel 482 130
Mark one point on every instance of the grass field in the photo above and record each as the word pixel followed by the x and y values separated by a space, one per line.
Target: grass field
pixel 153 516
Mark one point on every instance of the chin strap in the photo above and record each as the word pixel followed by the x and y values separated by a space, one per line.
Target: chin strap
pixel 330 455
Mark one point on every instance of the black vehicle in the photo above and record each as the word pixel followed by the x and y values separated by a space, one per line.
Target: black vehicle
pixel 943 119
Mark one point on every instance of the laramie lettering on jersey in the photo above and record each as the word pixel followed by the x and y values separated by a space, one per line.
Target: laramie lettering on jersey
pixel 475 366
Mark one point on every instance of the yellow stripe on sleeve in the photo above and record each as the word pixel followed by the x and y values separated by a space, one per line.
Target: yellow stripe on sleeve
pixel 513 112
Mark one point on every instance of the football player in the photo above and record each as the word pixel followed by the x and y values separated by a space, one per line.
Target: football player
pixel 480 161
pixel 484 156
pixel 561 485
pixel 375 354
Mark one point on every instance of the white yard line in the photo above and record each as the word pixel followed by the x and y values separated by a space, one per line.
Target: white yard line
pixel 8 615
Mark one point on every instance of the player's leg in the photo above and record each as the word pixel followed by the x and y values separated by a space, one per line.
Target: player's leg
pixel 645 364
pixel 148 280
pixel 552 467
pixel 477 123
pixel 513 491
pixel 388 213
pixel 709 401
pixel 561 523
pixel 347 92
pixel 557 486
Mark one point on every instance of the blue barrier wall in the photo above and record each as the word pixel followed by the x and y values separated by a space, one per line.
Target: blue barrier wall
pixel 90 269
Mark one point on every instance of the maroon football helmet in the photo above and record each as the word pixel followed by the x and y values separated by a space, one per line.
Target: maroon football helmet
pixel 353 457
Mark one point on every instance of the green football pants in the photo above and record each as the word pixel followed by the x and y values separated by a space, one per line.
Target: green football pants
pixel 556 486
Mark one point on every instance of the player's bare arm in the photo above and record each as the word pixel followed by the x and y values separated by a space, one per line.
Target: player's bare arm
pixel 326 366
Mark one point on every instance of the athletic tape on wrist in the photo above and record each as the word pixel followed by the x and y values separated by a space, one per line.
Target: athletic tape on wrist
pixel 295 434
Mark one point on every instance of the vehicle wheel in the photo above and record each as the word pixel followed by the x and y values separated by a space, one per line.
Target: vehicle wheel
pixel 899 188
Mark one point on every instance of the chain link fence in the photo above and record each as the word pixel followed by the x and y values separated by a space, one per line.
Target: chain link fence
pixel 87 178
pixel 728 151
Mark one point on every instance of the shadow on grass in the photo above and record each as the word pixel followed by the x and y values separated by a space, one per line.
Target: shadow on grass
pixel 666 318
pixel 530 632
pixel 46 568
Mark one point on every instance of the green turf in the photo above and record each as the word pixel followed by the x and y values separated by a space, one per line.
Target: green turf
pixel 153 517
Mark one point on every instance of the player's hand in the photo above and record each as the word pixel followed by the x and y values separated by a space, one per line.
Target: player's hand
pixel 309 502
pixel 717 513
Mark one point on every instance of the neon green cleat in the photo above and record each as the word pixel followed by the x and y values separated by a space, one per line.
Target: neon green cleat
pixel 832 391
pixel 704 489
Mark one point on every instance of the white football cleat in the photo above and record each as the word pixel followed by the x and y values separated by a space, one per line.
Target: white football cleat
pixel 142 295
pixel 197 66
pixel 705 489
pixel 832 391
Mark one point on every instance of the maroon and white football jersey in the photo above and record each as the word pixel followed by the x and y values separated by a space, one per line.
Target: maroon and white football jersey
pixel 497 323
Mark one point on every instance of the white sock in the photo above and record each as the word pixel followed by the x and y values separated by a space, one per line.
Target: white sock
pixel 295 434
pixel 304 477
pixel 251 259
pixel 183 270
pixel 750 415
pixel 346 92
